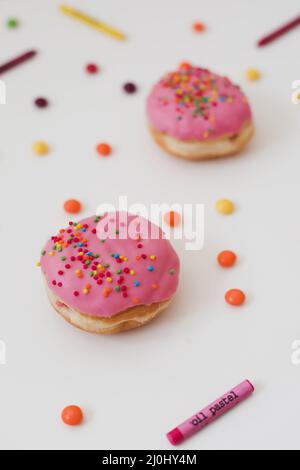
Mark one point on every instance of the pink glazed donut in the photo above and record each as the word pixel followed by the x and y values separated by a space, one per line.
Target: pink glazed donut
pixel 111 273
pixel 195 114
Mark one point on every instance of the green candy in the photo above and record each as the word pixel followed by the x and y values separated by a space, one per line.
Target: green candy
pixel 12 23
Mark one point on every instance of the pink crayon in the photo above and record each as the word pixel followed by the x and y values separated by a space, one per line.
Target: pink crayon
pixel 211 413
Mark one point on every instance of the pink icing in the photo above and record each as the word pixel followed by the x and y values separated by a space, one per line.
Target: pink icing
pixel 149 265
pixel 196 104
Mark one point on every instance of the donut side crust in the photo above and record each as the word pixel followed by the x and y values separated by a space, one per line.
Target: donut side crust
pixel 205 150
pixel 127 320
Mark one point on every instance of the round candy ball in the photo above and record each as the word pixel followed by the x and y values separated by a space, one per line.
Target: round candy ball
pixel 103 149
pixel 198 27
pixel 92 69
pixel 72 415
pixel 235 297
pixel 129 87
pixel 12 23
pixel 72 206
pixel 40 148
pixel 225 206
pixel 253 74
pixel 227 259
pixel 172 218
pixel 41 102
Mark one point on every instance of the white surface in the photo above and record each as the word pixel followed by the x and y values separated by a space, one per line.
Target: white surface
pixel 135 387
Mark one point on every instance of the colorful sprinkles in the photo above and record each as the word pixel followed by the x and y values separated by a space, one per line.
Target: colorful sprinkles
pixel 109 273
pixel 198 92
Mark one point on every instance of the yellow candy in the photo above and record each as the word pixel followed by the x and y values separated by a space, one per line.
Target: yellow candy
pixel 40 148
pixel 253 74
pixel 225 206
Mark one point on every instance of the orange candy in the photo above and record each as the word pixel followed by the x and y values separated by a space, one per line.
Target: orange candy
pixel 72 415
pixel 198 27
pixel 172 218
pixel 235 297
pixel 72 206
pixel 103 149
pixel 227 259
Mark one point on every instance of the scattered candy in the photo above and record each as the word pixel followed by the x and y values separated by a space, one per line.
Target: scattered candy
pixel 225 206
pixel 40 148
pixel 227 259
pixel 72 415
pixel 72 206
pixel 17 61
pixel 103 149
pixel 198 27
pixel 129 87
pixel 41 102
pixel 235 297
pixel 253 75
pixel 92 69
pixel 12 23
pixel 172 218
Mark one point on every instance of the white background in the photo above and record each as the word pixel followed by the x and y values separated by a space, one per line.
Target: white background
pixel 137 386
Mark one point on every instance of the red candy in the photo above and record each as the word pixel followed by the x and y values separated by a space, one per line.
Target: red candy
pixel 92 69
pixel 130 87
pixel 235 297
pixel 227 259
pixel 72 206
pixel 173 219
pixel 72 415
pixel 198 27
pixel 41 102
pixel 103 149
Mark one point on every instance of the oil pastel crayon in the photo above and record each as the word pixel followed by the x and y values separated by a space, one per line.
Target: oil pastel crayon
pixel 17 61
pixel 209 414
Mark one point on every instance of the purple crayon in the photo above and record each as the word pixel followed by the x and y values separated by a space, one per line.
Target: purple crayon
pixel 211 413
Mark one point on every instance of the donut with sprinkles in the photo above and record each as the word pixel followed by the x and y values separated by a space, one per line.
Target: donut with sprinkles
pixel 196 114
pixel 110 273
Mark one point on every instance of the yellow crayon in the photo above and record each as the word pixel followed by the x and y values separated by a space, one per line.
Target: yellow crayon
pixel 94 23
